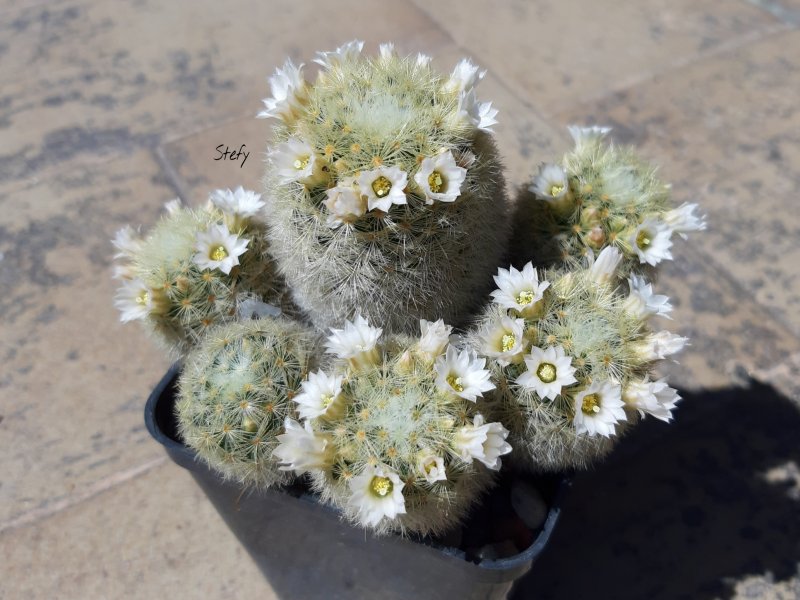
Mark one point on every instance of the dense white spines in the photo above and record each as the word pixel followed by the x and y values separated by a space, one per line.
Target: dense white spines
pixel 236 393
pixel 193 268
pixel 408 449
pixel 406 218
pixel 600 196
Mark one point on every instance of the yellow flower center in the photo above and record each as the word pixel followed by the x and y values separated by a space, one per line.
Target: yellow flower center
pixel 218 252
pixel 508 342
pixel 143 297
pixel 455 383
pixel 381 486
pixel 591 404
pixel 436 182
pixel 643 240
pixel 556 189
pixel 524 298
pixel 381 186
pixel 546 372
pixel 301 162
pixel 326 400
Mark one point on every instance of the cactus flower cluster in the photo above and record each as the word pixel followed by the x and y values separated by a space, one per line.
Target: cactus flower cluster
pixel 343 328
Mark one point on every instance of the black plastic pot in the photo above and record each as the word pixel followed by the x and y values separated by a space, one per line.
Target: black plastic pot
pixel 306 551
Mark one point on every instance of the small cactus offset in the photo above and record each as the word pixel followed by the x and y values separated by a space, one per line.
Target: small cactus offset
pixel 407 448
pixel 572 359
pixel 195 268
pixel 599 196
pixel 385 190
pixel 236 390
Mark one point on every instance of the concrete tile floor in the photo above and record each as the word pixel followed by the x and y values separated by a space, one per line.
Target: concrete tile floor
pixel 110 108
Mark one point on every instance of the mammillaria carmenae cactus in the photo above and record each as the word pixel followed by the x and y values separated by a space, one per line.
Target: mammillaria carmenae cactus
pixel 599 196
pixel 235 393
pixel 407 449
pixel 572 358
pixel 385 198
pixel 384 189
pixel 193 269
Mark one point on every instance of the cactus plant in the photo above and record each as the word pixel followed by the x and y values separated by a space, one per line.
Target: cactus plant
pixel 571 358
pixel 384 189
pixel 236 390
pixel 408 449
pixel 599 196
pixel 193 269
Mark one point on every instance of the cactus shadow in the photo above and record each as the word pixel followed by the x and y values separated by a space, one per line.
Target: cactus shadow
pixel 684 511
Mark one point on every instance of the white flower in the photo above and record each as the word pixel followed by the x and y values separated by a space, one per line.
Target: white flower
pixel 134 300
pixel 127 241
pixel 300 449
pixel 431 466
pixel 462 374
pixel 386 51
pixel 464 77
pixel 218 248
pixel 383 187
pixel 642 302
pixel 504 340
pixel 294 160
pixel 320 395
pixel 650 241
pixel 377 493
pixel 484 442
pixel 423 60
pixel 479 114
pixel 604 269
pixel 123 272
pixel 356 342
pixel 346 52
pixel 551 183
pixel 344 203
pixel 584 136
pixel 434 338
pixel 652 397
pixel 238 203
pixel 598 408
pixel 519 290
pixel 548 371
pixel 660 345
pixel 440 178
pixel 289 94
pixel 682 220
pixel 173 206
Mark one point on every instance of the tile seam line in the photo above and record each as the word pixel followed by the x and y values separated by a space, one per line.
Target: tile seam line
pixel 726 47
pixel 90 492
pixel 20 185
pixel 720 271
pixel 734 43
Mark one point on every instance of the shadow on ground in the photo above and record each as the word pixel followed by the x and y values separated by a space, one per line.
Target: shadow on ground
pixel 683 511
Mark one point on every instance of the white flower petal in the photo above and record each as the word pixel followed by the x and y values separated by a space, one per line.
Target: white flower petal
pixel 598 408
pixel 462 374
pixel 440 178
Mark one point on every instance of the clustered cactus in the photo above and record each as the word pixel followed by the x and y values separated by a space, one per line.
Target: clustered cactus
pixel 385 190
pixel 572 358
pixel 385 216
pixel 407 448
pixel 600 196
pixel 195 268
pixel 236 390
